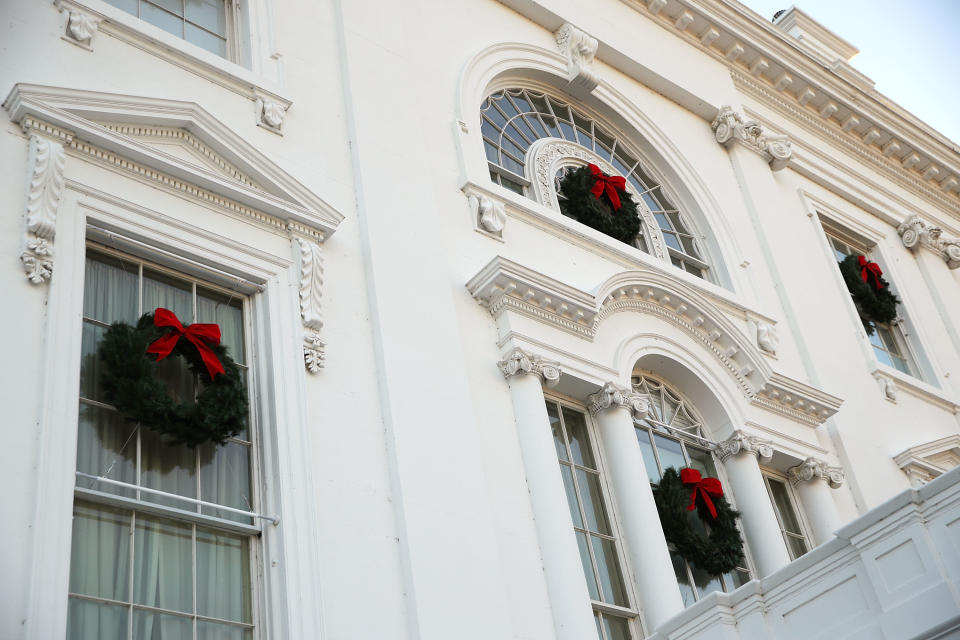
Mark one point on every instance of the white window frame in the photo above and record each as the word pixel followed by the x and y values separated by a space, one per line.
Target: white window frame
pixel 795 504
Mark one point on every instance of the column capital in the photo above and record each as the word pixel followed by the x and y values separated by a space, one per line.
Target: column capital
pixel 740 442
pixel 520 362
pixel 612 395
pixel 729 127
pixel 812 469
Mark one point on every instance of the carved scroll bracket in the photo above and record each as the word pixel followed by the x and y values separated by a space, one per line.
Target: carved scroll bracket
pixel 729 128
pixel 579 49
pixel 44 190
pixel 915 233
pixel 311 288
pixel 77 27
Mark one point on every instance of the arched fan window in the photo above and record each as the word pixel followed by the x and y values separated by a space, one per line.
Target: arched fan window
pixel 513 119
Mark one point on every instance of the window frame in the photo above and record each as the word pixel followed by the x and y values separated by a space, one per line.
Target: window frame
pixel 794 501
pixel 158 511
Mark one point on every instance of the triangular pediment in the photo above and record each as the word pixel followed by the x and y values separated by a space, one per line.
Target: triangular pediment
pixel 174 141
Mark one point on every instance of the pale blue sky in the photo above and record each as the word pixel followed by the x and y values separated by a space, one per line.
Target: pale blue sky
pixel 911 50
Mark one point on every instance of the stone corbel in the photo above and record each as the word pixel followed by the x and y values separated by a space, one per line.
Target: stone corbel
pixel 915 233
pixel 270 115
pixel 888 387
pixel 730 128
pixel 739 443
pixel 767 338
pixel 579 49
pixel 77 27
pixel 488 215
pixel 521 363
pixel 44 190
pixel 311 287
pixel 612 395
pixel 813 469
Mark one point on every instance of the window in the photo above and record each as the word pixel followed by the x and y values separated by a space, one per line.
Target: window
pixel 210 24
pixel 513 119
pixel 888 340
pixel 787 515
pixel 164 538
pixel 672 436
pixel 595 531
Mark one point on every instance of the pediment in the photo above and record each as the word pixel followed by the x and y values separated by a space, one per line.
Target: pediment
pixel 176 143
pixel 925 462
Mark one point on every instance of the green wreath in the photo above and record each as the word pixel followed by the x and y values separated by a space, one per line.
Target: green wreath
pixel 872 297
pixel 598 213
pixel 129 381
pixel 717 553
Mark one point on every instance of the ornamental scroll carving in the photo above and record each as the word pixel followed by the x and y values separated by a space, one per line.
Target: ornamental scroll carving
pixel 489 215
pixel 612 395
pixel 767 338
pixel 915 233
pixel 520 362
pixel 311 287
pixel 270 115
pixel 44 191
pixel 739 443
pixel 579 49
pixel 814 469
pixel 729 127
pixel 77 27
pixel 550 156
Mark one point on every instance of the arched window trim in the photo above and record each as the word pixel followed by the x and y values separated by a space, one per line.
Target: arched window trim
pixel 712 270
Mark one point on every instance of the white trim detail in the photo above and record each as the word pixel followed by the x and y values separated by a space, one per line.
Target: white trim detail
pixel 311 289
pixel 915 233
pixel 46 161
pixel 613 395
pixel 925 462
pixel 814 468
pixel 741 442
pixel 519 362
pixel 579 48
pixel 729 127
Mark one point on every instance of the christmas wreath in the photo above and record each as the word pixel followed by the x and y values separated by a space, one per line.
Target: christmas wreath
pixel 600 202
pixel 870 292
pixel 677 497
pixel 129 379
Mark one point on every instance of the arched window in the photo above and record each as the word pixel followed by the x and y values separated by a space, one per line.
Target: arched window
pixel 673 435
pixel 513 119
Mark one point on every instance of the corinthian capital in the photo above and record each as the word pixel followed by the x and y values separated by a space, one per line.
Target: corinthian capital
pixel 612 395
pixel 522 363
pixel 813 469
pixel 740 442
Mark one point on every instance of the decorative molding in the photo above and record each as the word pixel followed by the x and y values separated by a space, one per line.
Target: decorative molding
pixel 729 127
pixel 44 190
pixel 767 338
pixel 579 49
pixel 888 387
pixel 816 469
pixel 270 115
pixel 925 462
pixel 613 396
pixel 741 442
pixel 914 233
pixel 518 362
pixel 311 289
pixel 77 27
pixel 488 214
pixel 548 156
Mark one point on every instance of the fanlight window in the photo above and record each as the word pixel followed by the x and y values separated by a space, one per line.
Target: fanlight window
pixel 513 119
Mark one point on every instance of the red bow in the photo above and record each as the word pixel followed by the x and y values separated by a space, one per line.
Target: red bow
pixel 870 269
pixel 706 487
pixel 198 334
pixel 608 184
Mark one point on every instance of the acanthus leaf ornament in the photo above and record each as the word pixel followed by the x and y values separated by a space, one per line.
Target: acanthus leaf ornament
pixel 740 442
pixel 813 469
pixel 915 233
pixel 729 127
pixel 518 362
pixel 579 48
pixel 47 161
pixel 612 395
pixel 311 289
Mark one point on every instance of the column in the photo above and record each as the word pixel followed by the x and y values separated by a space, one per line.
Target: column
pixel 656 583
pixel 740 453
pixel 566 585
pixel 813 480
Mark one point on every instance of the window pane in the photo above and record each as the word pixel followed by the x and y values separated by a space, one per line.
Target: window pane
pixel 557 431
pixel 589 485
pixel 571 496
pixel 163 575
pixel 670 453
pixel 223 589
pixel 705 582
pixel 683 581
pixel 93 621
pixel 110 289
pixel 100 552
pixel 596 618
pixel 225 478
pixel 148 625
pixel 649 461
pixel 90 363
pixel 209 14
pixel 616 628
pixel 106 446
pixel 130 6
pixel 160 18
pixel 169 469
pixel 211 631
pixel 702 461
pixel 798 547
pixel 579 442
pixel 218 309
pixel 173 6
pixel 587 565
pixel 784 506
pixel 160 290
pixel 609 568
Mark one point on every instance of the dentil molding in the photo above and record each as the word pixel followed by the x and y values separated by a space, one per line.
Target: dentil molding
pixel 519 363
pixel 915 233
pixel 740 442
pixel 730 128
pixel 311 287
pixel 614 396
pixel 579 49
pixel 816 469
pixel 44 190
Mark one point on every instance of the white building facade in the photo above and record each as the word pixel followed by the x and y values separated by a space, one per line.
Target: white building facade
pixel 479 466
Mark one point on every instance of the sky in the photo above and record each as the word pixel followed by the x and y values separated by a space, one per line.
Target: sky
pixel 911 50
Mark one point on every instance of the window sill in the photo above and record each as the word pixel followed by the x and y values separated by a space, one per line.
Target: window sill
pixel 916 387
pixel 143 35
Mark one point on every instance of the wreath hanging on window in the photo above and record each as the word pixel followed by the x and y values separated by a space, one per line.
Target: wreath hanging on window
pixel 599 201
pixel 870 292
pixel 689 505
pixel 130 383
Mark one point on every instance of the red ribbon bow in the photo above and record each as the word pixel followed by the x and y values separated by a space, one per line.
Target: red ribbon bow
pixel 706 487
pixel 607 184
pixel 870 269
pixel 198 334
